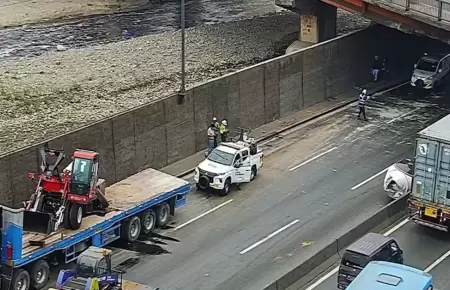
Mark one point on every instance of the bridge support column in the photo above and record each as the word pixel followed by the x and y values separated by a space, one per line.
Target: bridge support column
pixel 317 20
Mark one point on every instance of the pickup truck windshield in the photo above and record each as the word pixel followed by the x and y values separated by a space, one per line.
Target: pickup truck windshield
pixel 221 157
pixel 427 65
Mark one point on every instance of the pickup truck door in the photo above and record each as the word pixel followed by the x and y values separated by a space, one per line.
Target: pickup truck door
pixel 242 170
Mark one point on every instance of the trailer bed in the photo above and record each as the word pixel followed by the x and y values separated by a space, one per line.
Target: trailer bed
pixel 125 195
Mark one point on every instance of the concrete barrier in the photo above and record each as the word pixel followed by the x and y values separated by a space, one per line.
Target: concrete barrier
pixel 163 132
pixel 385 216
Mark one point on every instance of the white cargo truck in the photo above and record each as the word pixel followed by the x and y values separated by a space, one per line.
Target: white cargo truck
pixel 229 163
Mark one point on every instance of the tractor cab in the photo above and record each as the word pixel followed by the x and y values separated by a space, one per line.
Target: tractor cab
pixel 83 167
pixel 93 271
pixel 94 262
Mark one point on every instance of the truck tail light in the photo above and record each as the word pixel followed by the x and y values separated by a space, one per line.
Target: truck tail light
pixel 9 251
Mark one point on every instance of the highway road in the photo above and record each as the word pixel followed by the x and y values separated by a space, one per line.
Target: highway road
pixel 424 248
pixel 319 181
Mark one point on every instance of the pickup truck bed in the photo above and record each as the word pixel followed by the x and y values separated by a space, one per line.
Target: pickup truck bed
pixel 122 196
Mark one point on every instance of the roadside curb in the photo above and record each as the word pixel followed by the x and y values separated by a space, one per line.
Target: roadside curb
pixel 302 122
pixel 389 214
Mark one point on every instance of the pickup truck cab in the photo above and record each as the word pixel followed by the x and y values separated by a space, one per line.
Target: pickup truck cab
pixel 229 163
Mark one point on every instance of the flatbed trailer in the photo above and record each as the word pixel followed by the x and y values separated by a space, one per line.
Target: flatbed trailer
pixel 26 255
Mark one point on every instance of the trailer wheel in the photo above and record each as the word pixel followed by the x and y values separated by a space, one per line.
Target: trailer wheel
pixel 162 214
pixel 20 280
pixel 148 221
pixel 131 229
pixel 39 274
pixel 75 216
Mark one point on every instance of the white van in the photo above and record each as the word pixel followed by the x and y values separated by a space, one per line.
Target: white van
pixel 431 71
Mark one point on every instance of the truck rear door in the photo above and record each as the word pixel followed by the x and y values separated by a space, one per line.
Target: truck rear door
pixel 425 169
pixel 442 192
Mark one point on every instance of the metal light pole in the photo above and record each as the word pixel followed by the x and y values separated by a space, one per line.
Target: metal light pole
pixel 182 91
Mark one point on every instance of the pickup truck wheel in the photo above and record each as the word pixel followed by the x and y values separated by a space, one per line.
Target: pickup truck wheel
pixel 162 214
pixel 253 173
pixel 148 221
pixel 203 182
pixel 226 188
pixel 39 274
pixel 131 229
pixel 20 280
pixel 75 216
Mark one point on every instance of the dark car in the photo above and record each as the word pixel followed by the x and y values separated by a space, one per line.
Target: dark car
pixel 371 247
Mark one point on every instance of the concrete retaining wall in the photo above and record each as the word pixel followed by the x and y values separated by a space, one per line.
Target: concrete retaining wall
pixel 163 132
pixel 387 215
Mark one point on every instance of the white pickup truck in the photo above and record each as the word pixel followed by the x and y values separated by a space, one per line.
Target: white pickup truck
pixel 229 163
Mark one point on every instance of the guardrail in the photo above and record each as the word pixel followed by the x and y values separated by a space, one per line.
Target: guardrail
pixel 437 9
pixel 384 217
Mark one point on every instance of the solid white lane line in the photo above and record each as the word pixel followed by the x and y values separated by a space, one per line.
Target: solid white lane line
pixel 312 159
pixel 396 227
pixel 335 270
pixel 268 237
pixel 437 262
pixel 202 215
pixel 369 179
pixel 401 116
pixel 322 279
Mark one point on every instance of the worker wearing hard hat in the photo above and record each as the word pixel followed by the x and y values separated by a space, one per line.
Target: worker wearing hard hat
pixel 216 129
pixel 362 99
pixel 223 130
pixel 212 135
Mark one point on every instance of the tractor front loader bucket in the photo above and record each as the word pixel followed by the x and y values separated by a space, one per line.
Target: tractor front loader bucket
pixel 38 222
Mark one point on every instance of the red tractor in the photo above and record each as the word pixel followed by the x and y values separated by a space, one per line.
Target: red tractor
pixel 65 197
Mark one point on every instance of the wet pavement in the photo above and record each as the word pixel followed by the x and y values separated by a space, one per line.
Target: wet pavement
pixel 228 250
pixel 34 40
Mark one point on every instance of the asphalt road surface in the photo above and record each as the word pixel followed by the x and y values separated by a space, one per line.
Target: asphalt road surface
pixel 424 248
pixel 318 182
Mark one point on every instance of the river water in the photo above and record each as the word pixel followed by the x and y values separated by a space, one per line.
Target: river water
pixel 33 40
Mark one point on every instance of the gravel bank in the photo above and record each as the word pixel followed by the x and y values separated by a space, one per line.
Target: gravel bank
pixel 55 93
pixel 19 12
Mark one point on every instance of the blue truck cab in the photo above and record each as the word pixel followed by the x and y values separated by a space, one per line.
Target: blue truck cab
pixel 138 204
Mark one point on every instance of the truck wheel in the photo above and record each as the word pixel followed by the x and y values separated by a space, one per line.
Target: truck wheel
pixel 20 280
pixel 253 173
pixel 75 216
pixel 131 229
pixel 39 274
pixel 162 214
pixel 226 188
pixel 148 221
pixel 203 182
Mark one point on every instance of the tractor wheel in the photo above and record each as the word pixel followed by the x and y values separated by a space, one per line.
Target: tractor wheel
pixel 39 274
pixel 131 229
pixel 20 280
pixel 148 221
pixel 75 216
pixel 162 214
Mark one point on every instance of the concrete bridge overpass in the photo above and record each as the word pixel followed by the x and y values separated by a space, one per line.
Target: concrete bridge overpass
pixel 426 17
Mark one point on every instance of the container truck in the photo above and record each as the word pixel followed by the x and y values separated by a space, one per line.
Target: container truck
pixel 137 204
pixel 429 202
